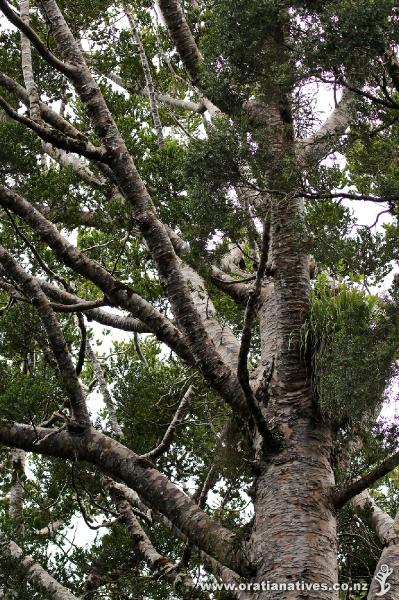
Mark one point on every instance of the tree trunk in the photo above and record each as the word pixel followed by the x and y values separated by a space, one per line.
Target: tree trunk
pixel 294 538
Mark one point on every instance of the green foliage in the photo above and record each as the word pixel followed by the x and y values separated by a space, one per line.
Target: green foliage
pixel 372 161
pixel 345 36
pixel 147 396
pixel 351 338
pixel 212 166
pixel 252 50
pixel 239 55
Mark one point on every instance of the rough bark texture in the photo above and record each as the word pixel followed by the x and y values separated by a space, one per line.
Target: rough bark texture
pixel 293 537
pixel 181 36
pixel 116 460
pixel 35 573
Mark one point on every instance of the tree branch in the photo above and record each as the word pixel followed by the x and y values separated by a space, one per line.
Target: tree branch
pixel 168 436
pixel 15 19
pixel 314 148
pixel 181 36
pixel 48 114
pixel 392 67
pixel 101 316
pixel 212 565
pixel 147 76
pixel 341 497
pixel 55 137
pixel 124 172
pixel 54 333
pixel 102 383
pixel 34 572
pixel 378 519
pixel 162 566
pixel 118 293
pixel 117 461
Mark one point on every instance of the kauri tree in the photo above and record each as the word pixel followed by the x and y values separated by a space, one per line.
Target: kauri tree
pixel 197 335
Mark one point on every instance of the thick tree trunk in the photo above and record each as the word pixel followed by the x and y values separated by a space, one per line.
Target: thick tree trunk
pixel 294 538
pixel 293 543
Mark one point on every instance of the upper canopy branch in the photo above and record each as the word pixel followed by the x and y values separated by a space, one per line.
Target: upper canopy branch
pixel 195 107
pixel 392 67
pixel 15 19
pixel 55 335
pixel 181 36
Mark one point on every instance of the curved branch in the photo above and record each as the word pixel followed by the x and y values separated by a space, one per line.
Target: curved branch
pixel 157 491
pixel 314 148
pixel 15 19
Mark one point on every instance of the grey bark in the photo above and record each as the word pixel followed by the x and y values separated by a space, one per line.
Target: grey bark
pixel 34 572
pixel 385 582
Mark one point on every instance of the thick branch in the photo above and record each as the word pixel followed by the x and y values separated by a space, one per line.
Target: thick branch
pixel 124 172
pixel 386 577
pixel 157 491
pixel 181 36
pixel 238 289
pixel 27 67
pixel 212 565
pixel 34 572
pixel 378 519
pixel 314 148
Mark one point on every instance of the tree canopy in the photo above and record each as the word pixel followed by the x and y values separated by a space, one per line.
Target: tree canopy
pixel 199 322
